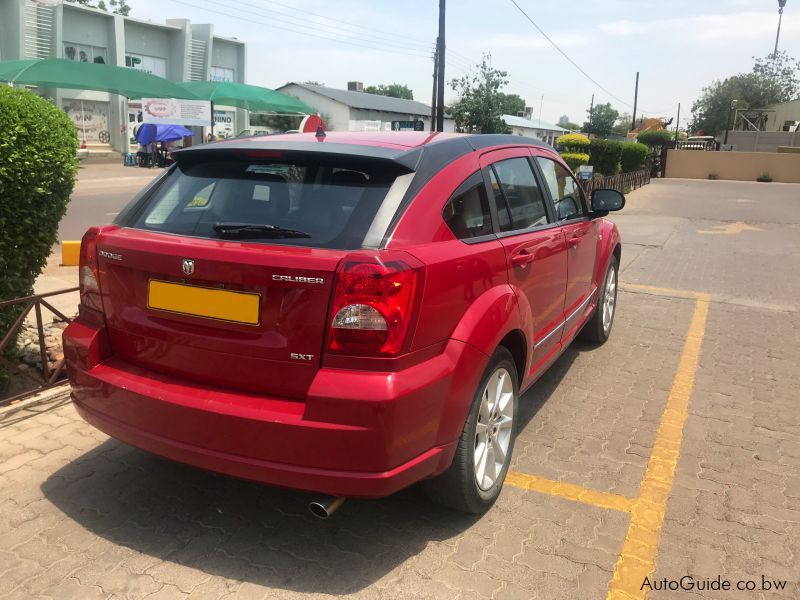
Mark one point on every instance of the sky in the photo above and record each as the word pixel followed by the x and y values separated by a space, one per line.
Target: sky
pixel 678 46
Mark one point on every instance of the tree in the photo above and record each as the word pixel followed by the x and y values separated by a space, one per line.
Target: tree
pixel 601 120
pixel 394 90
pixel 774 78
pixel 623 124
pixel 511 104
pixel 118 7
pixel 570 125
pixel 480 101
pixel 782 72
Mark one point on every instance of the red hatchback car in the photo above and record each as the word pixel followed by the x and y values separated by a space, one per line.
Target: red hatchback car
pixel 346 314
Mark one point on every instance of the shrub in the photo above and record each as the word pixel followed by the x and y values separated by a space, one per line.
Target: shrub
pixel 37 172
pixel 575 159
pixel 633 156
pixel 654 137
pixel 604 156
pixel 573 142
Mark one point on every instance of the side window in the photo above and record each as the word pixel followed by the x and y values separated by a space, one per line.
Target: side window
pixel 467 213
pixel 520 203
pixel 566 193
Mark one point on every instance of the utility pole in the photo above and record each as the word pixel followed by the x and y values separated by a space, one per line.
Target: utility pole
pixel 678 124
pixel 781 4
pixel 635 101
pixel 435 84
pixel 540 111
pixel 440 46
pixel 591 111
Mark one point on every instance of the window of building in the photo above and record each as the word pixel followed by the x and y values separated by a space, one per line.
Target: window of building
pixel 148 64
pixel 84 53
pixel 221 74
pixel 467 213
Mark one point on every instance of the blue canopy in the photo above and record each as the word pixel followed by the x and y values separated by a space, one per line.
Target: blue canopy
pixel 151 132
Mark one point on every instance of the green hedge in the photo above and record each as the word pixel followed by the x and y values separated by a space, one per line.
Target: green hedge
pixel 37 172
pixel 575 159
pixel 604 155
pixel 573 142
pixel 654 137
pixel 633 156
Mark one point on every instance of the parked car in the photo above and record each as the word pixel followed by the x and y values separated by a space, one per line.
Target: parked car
pixel 348 314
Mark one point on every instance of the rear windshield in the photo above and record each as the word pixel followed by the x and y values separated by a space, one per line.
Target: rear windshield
pixel 331 204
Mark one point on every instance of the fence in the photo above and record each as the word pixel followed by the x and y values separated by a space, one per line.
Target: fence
pixel 47 377
pixel 619 182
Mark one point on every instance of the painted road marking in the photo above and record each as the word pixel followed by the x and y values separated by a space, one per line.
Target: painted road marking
pixel 729 229
pixel 569 491
pixel 637 557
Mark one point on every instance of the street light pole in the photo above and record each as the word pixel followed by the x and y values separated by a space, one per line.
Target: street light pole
pixel 728 122
pixel 781 4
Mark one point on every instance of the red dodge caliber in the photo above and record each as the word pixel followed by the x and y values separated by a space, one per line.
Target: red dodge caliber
pixel 347 314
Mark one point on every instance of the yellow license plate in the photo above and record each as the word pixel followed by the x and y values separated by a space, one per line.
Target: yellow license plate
pixel 209 303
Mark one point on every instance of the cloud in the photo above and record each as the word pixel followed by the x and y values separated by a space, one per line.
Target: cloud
pixel 702 28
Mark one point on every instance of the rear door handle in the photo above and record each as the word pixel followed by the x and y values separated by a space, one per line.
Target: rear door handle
pixel 522 258
pixel 573 241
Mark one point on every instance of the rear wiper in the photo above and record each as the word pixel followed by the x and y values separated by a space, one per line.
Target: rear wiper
pixel 252 230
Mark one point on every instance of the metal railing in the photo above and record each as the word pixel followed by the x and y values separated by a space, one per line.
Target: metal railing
pixel 619 182
pixel 47 377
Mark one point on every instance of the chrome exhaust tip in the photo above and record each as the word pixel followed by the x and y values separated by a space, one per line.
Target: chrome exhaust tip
pixel 322 508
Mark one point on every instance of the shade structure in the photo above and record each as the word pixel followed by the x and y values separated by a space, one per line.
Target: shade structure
pixel 62 73
pixel 157 132
pixel 249 97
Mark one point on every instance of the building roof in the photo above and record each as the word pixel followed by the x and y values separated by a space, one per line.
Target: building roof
pixel 367 101
pixel 513 121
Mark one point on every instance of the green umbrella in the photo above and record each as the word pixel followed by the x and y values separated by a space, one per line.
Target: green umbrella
pixel 250 97
pixel 62 73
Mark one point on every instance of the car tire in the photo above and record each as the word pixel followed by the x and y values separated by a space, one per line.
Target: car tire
pixel 598 327
pixel 490 429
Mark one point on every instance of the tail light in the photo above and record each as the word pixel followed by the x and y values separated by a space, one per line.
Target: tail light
pixel 88 272
pixel 374 304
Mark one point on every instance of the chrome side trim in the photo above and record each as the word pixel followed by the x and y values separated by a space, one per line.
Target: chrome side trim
pixel 581 307
pixel 556 329
pixel 377 230
pixel 565 321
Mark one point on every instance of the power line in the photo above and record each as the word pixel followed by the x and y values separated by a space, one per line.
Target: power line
pixel 572 62
pixel 330 29
pixel 402 48
pixel 308 12
pixel 301 32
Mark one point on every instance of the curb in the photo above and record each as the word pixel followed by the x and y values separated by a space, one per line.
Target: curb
pixel 53 394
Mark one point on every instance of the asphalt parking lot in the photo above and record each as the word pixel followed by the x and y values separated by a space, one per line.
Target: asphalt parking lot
pixel 671 452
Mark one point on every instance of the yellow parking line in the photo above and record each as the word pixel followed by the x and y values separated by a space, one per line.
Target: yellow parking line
pixel 569 491
pixel 662 291
pixel 637 557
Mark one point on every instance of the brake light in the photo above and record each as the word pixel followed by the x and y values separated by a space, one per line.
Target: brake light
pixel 87 273
pixel 373 304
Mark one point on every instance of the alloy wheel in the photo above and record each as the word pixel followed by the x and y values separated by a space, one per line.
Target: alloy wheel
pixel 609 299
pixel 494 428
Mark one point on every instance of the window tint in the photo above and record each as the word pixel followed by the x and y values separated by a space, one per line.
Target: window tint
pixel 566 193
pixel 467 214
pixel 334 203
pixel 517 193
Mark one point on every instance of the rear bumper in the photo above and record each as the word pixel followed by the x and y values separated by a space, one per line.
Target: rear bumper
pixel 359 433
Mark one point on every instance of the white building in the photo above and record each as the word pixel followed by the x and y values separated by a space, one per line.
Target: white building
pixel 177 50
pixel 547 132
pixel 354 110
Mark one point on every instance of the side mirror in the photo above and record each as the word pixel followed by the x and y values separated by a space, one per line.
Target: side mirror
pixel 604 201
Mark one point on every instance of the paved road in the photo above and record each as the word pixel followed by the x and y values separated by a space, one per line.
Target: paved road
pixel 102 190
pixel 674 447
